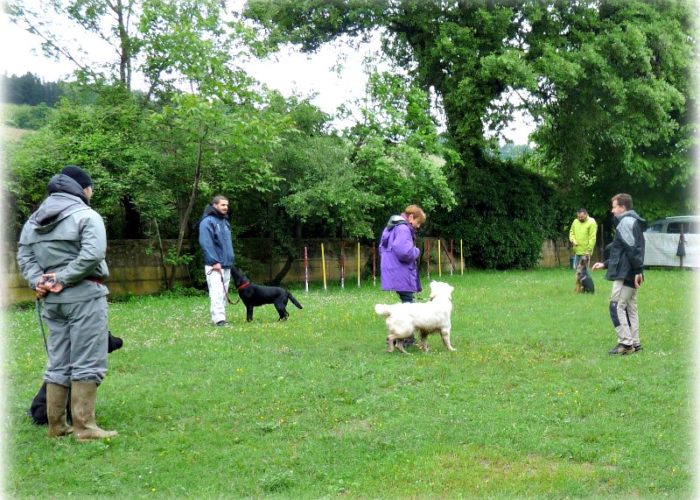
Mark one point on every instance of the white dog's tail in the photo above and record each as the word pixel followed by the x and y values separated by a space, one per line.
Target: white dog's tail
pixel 382 309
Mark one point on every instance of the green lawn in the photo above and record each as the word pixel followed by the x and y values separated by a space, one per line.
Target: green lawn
pixel 530 405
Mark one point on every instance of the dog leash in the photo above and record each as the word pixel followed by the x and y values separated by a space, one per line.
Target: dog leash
pixel 41 324
pixel 223 285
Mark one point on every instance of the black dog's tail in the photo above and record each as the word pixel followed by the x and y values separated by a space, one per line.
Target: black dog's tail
pixel 294 301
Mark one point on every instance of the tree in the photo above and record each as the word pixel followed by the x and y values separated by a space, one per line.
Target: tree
pixel 29 89
pixel 106 139
pixel 608 81
pixel 107 22
pixel 460 51
pixel 615 99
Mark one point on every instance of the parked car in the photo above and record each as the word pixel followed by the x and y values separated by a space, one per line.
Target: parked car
pixel 672 225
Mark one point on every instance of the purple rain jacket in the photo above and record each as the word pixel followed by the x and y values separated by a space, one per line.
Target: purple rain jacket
pixel 398 257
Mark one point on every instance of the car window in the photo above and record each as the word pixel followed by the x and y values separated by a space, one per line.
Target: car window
pixel 654 228
pixel 675 227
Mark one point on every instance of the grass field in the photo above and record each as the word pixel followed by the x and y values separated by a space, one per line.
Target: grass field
pixel 530 405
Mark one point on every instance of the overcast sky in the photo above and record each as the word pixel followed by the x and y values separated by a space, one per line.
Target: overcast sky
pixel 291 72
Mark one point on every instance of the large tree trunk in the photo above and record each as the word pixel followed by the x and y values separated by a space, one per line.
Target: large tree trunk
pixel 277 279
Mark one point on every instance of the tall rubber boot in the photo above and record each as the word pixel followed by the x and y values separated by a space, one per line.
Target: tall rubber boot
pixel 56 401
pixel 83 395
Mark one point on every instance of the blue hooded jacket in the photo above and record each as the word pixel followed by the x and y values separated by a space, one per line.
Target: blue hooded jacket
pixel 215 238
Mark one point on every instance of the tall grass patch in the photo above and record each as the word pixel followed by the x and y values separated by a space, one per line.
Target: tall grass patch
pixel 530 405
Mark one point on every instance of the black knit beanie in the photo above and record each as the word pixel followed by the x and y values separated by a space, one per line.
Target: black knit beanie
pixel 77 174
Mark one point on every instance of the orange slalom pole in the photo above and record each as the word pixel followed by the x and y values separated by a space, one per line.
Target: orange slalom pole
pixel 461 258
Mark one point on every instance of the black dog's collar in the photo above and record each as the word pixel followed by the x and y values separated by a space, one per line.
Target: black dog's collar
pixel 244 285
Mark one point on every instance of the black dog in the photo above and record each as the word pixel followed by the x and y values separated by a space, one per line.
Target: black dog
pixel 38 409
pixel 254 295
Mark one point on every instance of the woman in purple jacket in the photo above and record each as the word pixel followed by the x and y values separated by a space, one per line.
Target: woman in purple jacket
pixel 398 253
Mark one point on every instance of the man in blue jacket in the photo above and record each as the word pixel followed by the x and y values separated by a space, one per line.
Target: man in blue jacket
pixel 625 268
pixel 215 240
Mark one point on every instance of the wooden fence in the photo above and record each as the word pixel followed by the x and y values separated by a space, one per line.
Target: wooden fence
pixel 136 268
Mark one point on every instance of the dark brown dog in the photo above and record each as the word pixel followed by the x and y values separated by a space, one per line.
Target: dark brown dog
pixel 584 281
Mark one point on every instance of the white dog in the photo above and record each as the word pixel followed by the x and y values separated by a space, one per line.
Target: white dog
pixel 404 319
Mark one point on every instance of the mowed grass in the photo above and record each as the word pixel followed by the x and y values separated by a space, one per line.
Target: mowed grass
pixel 530 405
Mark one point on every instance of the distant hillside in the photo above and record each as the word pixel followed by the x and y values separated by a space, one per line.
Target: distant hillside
pixel 11 134
pixel 512 151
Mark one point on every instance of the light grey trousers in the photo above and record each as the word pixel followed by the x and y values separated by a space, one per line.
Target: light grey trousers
pixel 77 341
pixel 623 313
pixel 218 288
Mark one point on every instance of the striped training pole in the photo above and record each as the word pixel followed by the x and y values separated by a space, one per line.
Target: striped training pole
pixel 306 269
pixel 342 263
pixel 427 256
pixel 452 256
pixel 461 258
pixel 358 264
pixel 374 264
pixel 439 260
pixel 323 267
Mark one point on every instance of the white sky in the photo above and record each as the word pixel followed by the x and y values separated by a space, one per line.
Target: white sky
pixel 290 73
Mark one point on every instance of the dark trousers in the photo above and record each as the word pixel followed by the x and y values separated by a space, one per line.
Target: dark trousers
pixel 405 296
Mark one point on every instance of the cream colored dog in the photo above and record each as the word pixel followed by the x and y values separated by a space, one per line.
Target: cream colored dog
pixel 403 320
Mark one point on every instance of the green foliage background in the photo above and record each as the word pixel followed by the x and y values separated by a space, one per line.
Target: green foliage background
pixel 608 83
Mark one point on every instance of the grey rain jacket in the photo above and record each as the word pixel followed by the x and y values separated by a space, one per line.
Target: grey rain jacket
pixel 626 257
pixel 65 236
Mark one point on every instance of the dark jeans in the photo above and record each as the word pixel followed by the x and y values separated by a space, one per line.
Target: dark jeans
pixel 407 297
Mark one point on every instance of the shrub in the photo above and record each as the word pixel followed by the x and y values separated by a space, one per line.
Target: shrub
pixel 28 117
pixel 504 215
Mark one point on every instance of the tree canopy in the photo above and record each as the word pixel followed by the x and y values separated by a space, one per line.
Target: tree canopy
pixel 609 83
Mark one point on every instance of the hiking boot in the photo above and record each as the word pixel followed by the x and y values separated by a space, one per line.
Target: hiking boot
pixel 621 349
pixel 221 323
pixel 638 348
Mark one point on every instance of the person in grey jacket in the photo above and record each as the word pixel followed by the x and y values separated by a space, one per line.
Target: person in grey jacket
pixel 625 268
pixel 61 254
pixel 217 248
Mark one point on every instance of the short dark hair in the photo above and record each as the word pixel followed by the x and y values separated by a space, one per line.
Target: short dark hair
pixel 623 200
pixel 218 199
pixel 582 211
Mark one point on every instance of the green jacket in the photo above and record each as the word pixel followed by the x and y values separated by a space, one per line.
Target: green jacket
pixel 584 233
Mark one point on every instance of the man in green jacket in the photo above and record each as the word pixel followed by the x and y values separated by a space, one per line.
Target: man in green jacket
pixel 61 254
pixel 582 235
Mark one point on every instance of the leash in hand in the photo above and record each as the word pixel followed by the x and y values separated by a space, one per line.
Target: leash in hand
pixel 41 324
pixel 223 284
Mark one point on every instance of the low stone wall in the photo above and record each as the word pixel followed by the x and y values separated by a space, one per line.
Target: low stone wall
pixel 136 268
pixel 133 269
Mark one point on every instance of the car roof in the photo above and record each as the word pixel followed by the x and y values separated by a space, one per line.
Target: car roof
pixel 679 218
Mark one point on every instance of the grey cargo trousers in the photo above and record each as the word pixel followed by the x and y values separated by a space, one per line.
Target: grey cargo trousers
pixel 77 341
